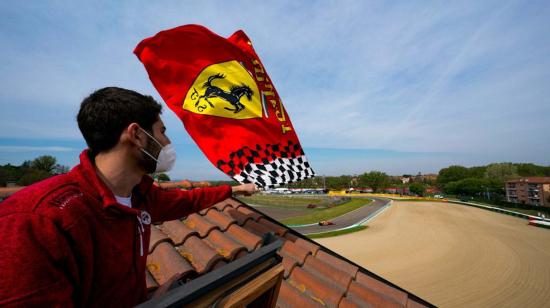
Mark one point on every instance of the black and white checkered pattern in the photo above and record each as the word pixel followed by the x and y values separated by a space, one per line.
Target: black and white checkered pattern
pixel 276 173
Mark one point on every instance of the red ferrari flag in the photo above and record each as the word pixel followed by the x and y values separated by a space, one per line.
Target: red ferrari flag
pixel 220 90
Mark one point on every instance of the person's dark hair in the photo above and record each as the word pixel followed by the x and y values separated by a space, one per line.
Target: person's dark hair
pixel 106 112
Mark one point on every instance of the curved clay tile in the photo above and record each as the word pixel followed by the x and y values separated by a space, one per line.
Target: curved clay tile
pixel 360 294
pixel 150 282
pixel 289 263
pixel 297 252
pixel 238 216
pixel 224 245
pixel 222 205
pixel 199 254
pixel 177 231
pixel 313 248
pixel 290 297
pixel 323 269
pixel 197 223
pixel 165 262
pixel 234 203
pixel 220 219
pixel 291 237
pixel 342 265
pixel 247 239
pixel 257 228
pixel 250 213
pixel 279 230
pixel 381 287
pixel 316 288
pixel 157 237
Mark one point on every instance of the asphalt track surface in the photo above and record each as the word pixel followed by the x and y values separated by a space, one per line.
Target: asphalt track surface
pixel 454 255
pixel 348 219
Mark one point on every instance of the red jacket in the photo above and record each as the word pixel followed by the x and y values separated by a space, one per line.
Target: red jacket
pixel 66 241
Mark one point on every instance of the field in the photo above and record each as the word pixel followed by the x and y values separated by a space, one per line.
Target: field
pixel 292 209
pixel 454 255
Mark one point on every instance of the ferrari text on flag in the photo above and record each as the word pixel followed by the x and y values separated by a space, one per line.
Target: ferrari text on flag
pixel 220 90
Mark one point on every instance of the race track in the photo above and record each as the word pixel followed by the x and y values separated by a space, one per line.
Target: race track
pixel 454 255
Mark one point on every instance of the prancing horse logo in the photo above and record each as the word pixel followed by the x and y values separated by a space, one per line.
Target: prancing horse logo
pixel 233 96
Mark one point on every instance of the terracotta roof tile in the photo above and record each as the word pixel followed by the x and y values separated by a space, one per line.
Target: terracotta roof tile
pixel 338 263
pixel 247 239
pixel 323 269
pixel 313 277
pixel 279 230
pixel 221 206
pixel 224 245
pixel 157 237
pixel 297 252
pixel 413 304
pixel 150 282
pixel 256 228
pixel 347 303
pixel 177 231
pixel 359 293
pixel 317 289
pixel 313 248
pixel 165 262
pixel 199 254
pixel 238 216
pixel 381 287
pixel 291 237
pixel 234 203
pixel 220 219
pixel 289 262
pixel 290 297
pixel 198 223
pixel 250 213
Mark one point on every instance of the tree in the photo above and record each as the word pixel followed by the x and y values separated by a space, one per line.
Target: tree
pixel 451 174
pixel 417 189
pixel 502 171
pixel 374 179
pixel 45 163
pixel 33 176
pixel 163 177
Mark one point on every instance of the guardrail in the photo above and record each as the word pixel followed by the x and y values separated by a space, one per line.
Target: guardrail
pixel 503 211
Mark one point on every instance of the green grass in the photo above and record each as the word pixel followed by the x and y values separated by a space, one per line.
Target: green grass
pixel 285 201
pixel 336 233
pixel 326 214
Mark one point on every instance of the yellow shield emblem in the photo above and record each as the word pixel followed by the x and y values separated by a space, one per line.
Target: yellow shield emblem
pixel 225 90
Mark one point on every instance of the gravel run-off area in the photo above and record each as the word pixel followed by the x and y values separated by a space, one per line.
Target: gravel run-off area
pixel 454 255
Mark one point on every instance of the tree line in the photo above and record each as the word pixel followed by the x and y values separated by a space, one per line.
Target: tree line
pixel 481 181
pixel 31 171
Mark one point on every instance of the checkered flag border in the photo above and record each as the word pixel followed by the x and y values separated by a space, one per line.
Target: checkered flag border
pixel 268 166
pixel 276 173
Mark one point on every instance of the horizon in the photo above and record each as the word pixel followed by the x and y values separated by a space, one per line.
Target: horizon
pixel 400 88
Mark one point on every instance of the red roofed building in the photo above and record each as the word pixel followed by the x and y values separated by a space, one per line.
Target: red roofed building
pixel 530 190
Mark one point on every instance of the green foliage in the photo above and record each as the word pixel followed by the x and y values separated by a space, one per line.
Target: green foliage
pixel 451 174
pixel 163 177
pixel 502 171
pixel 317 215
pixel 417 188
pixel 336 233
pixel 374 179
pixel 31 171
pixel 45 163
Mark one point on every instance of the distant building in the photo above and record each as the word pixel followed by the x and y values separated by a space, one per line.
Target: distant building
pixel 531 191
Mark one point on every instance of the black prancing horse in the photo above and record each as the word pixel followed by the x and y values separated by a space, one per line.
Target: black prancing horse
pixel 233 96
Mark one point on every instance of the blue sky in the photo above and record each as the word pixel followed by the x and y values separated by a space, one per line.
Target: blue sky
pixel 402 87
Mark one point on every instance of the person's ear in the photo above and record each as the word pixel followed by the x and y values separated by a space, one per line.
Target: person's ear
pixel 134 135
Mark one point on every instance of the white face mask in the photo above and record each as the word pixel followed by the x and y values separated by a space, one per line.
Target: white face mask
pixel 167 156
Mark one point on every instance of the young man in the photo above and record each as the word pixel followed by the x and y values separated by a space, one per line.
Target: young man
pixel 81 238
